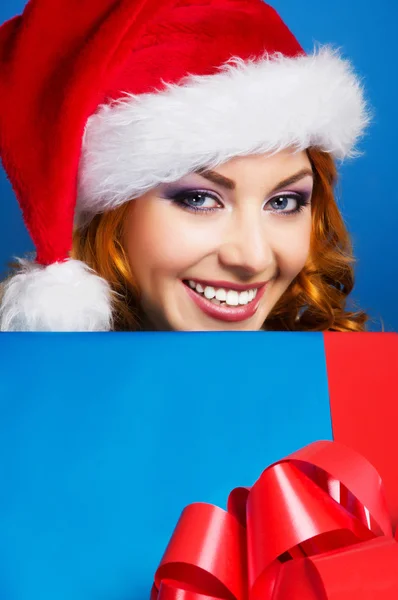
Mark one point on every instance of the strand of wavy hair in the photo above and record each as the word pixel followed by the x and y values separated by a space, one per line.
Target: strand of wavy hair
pixel 99 245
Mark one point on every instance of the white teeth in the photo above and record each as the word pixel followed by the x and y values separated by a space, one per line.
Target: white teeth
pixel 221 295
pixel 244 297
pixel 210 292
pixel 232 298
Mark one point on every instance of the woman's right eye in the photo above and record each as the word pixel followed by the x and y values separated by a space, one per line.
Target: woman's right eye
pixel 199 201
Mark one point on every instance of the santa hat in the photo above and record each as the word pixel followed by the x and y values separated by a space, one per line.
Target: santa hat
pixel 101 100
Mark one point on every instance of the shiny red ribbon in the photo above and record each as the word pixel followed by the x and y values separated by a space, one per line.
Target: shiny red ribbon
pixel 323 498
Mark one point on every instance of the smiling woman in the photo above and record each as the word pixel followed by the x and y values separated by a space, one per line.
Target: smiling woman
pixel 204 197
pixel 256 244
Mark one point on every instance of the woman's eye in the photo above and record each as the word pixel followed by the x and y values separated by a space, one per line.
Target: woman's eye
pixel 287 204
pixel 197 200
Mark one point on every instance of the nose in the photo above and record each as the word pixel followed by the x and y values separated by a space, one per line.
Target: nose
pixel 246 247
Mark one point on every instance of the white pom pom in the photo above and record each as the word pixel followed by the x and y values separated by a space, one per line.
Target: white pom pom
pixel 64 296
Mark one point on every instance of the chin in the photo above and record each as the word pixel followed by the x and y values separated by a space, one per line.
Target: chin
pixel 221 326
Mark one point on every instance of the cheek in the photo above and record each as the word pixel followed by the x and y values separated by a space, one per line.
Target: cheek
pixel 292 245
pixel 162 239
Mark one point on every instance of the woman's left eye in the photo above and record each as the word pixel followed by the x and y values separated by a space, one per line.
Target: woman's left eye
pixel 288 203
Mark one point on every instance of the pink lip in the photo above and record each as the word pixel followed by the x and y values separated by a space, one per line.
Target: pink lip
pixel 229 285
pixel 224 312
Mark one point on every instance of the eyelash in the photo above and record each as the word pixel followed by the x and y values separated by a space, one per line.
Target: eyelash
pixel 181 197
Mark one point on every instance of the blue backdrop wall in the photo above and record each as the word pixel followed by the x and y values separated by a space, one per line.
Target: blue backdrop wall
pixel 367 192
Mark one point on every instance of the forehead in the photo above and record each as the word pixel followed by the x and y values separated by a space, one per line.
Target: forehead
pixel 286 159
pixel 266 169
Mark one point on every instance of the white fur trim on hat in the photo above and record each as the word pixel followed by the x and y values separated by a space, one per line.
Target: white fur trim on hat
pixel 65 296
pixel 249 107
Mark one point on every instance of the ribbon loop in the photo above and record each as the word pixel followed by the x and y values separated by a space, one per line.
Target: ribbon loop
pixel 206 554
pixel 322 498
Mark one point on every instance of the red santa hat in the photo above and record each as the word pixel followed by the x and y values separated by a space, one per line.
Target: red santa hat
pixel 103 99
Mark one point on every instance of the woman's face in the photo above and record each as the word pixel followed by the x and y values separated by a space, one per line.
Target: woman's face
pixel 217 249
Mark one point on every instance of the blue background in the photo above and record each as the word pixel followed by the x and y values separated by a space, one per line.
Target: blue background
pixel 368 191
pixel 104 438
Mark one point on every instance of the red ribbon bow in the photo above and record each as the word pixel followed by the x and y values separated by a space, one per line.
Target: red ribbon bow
pixel 323 498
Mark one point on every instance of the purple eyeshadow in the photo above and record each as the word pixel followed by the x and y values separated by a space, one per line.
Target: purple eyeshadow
pixel 169 192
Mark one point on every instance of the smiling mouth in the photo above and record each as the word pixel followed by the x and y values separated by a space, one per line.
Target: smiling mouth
pixel 223 295
pixel 226 304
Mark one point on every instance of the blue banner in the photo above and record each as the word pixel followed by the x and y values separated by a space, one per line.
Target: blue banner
pixel 104 438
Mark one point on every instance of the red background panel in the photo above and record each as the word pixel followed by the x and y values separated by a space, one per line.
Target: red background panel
pixel 363 388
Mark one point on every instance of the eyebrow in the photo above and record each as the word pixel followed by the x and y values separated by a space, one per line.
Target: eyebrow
pixel 230 183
